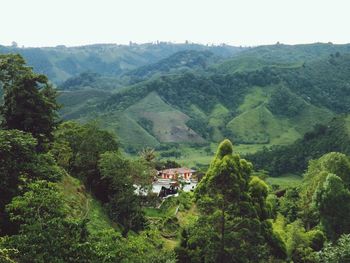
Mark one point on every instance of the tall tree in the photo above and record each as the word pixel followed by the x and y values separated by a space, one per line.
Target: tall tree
pixel 124 205
pixel 232 226
pixel 29 99
pixel 316 174
pixel 20 163
pixel 333 203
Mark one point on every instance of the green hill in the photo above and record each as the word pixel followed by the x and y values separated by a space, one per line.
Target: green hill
pixel 61 62
pixel 273 106
pixel 279 56
pixel 174 64
pixel 294 158
pixel 263 96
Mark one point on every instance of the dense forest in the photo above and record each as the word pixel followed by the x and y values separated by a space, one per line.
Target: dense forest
pixel 74 159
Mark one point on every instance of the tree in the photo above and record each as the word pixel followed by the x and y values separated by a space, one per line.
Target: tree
pixel 29 100
pixel 300 244
pixel 316 174
pixel 7 255
pixel 20 164
pixel 337 252
pixel 16 151
pixel 232 226
pixel 82 147
pixel 142 173
pixel 332 200
pixel 148 154
pixel 123 204
pixel 45 234
pixel 288 204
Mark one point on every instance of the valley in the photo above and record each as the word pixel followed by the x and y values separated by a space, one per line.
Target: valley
pixel 184 112
pixel 86 153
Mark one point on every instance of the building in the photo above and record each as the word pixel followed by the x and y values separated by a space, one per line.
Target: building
pixel 177 173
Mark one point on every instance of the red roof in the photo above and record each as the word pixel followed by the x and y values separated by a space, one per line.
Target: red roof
pixel 181 170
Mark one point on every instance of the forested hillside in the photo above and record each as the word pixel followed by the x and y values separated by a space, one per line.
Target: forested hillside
pixel 271 106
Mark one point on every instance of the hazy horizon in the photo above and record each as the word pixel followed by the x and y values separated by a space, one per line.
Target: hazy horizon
pixel 42 23
pixel 168 42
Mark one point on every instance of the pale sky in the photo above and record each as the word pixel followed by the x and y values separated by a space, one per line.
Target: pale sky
pixel 235 22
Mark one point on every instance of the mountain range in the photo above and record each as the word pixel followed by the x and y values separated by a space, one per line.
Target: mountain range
pixel 165 94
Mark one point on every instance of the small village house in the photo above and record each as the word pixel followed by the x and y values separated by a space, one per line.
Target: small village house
pixel 177 173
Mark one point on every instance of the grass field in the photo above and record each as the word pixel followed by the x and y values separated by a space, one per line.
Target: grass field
pixel 198 157
pixel 289 180
pixel 128 131
pixel 255 98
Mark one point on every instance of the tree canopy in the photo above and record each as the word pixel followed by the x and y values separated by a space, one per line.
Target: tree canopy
pixel 29 100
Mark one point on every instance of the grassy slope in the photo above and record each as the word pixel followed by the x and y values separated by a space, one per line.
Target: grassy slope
pixel 169 124
pixel 129 132
pixel 198 157
pixel 257 124
pixel 81 204
pixel 76 102
pixel 217 119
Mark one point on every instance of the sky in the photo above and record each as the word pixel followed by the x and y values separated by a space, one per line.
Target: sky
pixel 37 23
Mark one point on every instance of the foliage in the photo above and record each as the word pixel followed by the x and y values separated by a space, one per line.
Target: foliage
pixel 86 143
pixel 20 164
pixel 29 100
pixel 318 170
pixel 45 234
pixel 110 246
pixel 90 80
pixel 337 252
pixel 333 204
pixel 289 204
pixel 232 207
pixel 301 245
pixel 7 254
pixel 123 204
pixel 175 64
pixel 148 154
pixel 284 102
pixel 161 165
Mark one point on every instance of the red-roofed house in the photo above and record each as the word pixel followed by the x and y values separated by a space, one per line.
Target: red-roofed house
pixel 177 173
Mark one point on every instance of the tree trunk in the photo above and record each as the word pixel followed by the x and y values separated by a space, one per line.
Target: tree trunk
pixel 222 245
